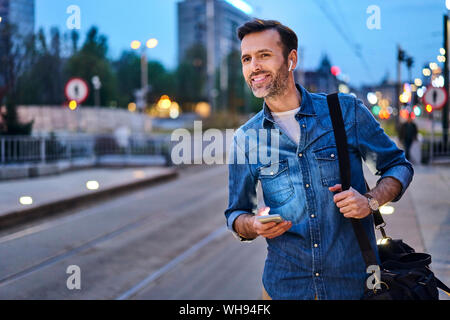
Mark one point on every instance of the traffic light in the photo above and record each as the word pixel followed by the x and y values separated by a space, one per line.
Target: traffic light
pixel 401 55
pixel 409 62
pixel 429 108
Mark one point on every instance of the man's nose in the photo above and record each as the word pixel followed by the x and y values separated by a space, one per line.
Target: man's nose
pixel 255 66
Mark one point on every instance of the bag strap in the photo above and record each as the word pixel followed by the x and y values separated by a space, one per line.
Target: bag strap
pixel 377 218
pixel 344 166
pixel 442 286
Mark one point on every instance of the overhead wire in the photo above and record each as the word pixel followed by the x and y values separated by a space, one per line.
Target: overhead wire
pixel 356 48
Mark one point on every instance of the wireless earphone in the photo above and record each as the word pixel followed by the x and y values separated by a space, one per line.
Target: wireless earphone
pixel 290 66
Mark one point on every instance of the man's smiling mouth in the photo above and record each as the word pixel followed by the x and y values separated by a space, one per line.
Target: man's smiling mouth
pixel 260 78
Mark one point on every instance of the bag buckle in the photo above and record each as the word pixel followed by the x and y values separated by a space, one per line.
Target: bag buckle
pixel 381 228
pixel 378 227
pixel 379 282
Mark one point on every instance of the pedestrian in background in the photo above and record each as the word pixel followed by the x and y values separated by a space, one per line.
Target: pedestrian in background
pixel 407 135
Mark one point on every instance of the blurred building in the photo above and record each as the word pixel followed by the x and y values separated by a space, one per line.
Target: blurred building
pixel 385 89
pixel 19 13
pixel 320 80
pixel 193 26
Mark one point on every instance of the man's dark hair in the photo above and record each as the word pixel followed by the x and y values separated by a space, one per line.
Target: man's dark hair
pixel 288 37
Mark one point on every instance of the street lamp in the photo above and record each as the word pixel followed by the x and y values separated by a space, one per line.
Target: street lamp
pixel 97 86
pixel 142 95
pixel 426 72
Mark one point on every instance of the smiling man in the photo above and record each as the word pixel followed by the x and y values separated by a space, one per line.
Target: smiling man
pixel 313 253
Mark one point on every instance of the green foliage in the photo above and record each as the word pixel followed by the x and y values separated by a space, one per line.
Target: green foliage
pixel 14 55
pixel 51 60
pixel 92 61
pixel 191 76
pixel 161 81
pixel 42 81
pixel 127 70
pixel 12 125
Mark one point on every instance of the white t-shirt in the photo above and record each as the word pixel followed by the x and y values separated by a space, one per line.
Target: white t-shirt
pixel 286 120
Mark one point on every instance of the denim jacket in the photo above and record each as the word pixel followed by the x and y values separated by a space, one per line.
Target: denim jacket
pixel 319 256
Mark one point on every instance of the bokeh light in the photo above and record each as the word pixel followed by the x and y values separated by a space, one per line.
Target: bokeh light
pixel 26 200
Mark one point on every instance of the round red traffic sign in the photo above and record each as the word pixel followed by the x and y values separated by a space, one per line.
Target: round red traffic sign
pixel 77 89
pixel 436 97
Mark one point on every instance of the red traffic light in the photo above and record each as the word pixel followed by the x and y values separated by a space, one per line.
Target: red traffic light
pixel 335 71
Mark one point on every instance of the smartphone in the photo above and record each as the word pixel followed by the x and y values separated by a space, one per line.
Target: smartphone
pixel 270 218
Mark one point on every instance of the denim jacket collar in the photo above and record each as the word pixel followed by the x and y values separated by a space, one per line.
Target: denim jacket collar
pixel 306 106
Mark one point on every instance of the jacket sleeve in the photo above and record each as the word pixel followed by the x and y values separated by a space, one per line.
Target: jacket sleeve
pixel 241 187
pixel 380 153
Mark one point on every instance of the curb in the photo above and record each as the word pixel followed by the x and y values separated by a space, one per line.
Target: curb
pixel 52 208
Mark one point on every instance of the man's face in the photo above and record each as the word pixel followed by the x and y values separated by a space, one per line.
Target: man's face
pixel 263 64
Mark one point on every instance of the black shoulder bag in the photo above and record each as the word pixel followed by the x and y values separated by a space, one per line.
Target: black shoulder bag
pixel 405 274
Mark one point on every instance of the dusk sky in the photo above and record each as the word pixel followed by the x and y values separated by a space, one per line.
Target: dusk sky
pixel 334 27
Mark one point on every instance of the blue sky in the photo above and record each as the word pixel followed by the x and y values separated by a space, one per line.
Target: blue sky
pixel 414 24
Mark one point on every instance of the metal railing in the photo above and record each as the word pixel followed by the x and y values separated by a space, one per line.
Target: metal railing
pixel 434 150
pixel 44 149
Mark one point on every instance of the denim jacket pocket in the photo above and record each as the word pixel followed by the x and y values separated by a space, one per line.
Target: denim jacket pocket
pixel 276 183
pixel 327 159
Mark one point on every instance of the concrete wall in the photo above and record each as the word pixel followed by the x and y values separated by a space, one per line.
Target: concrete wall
pixel 84 119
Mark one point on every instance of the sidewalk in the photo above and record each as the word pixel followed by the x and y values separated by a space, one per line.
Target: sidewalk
pixel 422 217
pixel 52 194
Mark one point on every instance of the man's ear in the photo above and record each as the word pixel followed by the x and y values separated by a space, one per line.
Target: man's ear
pixel 292 60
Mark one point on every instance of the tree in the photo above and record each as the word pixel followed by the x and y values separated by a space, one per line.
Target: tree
pixel 191 76
pixel 161 82
pixel 91 60
pixel 42 82
pixel 74 37
pixel 127 70
pixel 14 57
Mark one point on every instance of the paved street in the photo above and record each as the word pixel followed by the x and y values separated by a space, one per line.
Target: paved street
pixel 70 188
pixel 121 242
pixel 163 242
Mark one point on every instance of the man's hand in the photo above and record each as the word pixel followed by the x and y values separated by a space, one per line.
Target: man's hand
pixel 269 230
pixel 350 202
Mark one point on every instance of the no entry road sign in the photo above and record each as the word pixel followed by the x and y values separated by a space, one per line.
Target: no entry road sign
pixel 77 89
pixel 436 97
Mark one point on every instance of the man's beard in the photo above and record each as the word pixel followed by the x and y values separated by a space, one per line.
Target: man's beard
pixel 276 87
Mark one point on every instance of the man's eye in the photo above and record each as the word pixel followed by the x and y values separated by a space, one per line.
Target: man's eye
pixel 246 60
